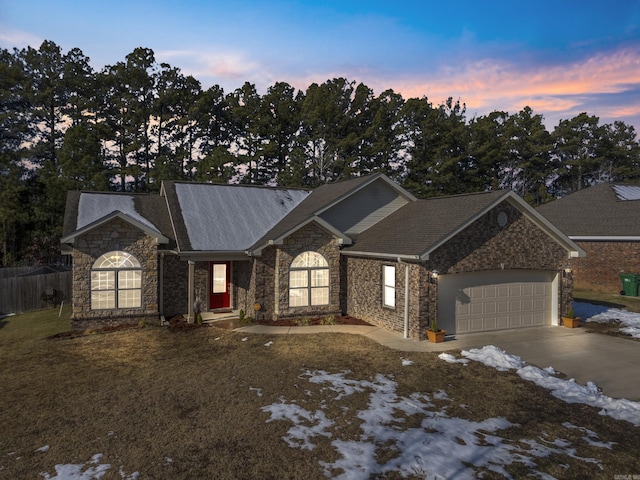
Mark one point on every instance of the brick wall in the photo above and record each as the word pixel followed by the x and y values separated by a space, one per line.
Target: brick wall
pixel 600 270
pixel 519 245
pixel 363 296
pixel 244 286
pixel 175 284
pixel 112 236
pixel 483 246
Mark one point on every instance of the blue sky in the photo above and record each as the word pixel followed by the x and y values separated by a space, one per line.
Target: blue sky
pixel 559 57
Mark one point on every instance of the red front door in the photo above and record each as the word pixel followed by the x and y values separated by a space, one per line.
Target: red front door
pixel 219 293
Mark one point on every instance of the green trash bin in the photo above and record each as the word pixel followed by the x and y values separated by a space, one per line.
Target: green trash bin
pixel 630 283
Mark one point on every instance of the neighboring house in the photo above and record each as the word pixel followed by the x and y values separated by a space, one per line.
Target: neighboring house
pixel 363 247
pixel 604 220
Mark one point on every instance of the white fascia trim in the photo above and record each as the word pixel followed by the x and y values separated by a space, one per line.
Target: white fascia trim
pixel 604 239
pixel 379 176
pixel 392 256
pixel 341 237
pixel 70 239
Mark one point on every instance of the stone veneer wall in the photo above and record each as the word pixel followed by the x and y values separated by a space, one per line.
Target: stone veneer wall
pixel 605 261
pixel 272 274
pixel 112 236
pixel 519 245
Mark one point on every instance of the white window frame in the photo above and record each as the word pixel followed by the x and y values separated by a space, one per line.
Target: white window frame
pixel 116 282
pixel 389 286
pixel 309 280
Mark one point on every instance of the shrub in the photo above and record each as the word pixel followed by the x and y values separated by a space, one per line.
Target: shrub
pixel 330 320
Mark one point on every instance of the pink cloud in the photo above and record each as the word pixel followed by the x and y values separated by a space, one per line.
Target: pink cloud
pixel 487 84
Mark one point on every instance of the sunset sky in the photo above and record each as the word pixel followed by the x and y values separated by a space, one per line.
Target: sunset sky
pixel 560 57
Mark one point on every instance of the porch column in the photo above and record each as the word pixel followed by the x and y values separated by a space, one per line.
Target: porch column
pixel 192 286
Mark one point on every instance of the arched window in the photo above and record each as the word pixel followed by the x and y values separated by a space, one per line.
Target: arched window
pixel 116 281
pixel 308 280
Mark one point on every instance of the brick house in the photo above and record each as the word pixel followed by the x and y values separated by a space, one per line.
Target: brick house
pixel 603 220
pixel 363 247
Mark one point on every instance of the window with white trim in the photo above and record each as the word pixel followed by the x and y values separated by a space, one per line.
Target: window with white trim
pixel 389 286
pixel 116 281
pixel 308 280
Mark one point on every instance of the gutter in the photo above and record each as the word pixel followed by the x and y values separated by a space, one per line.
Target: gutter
pixel 604 239
pixel 390 256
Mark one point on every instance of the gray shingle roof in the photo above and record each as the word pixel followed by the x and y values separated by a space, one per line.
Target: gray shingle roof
pixel 218 217
pixel 419 225
pixel 84 208
pixel 594 212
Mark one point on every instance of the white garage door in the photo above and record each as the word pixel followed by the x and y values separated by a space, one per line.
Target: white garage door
pixel 499 300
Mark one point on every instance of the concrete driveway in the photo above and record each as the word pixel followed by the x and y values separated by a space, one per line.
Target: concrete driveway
pixel 611 363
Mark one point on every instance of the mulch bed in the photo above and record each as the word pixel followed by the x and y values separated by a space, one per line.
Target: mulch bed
pixel 294 322
pixel 92 331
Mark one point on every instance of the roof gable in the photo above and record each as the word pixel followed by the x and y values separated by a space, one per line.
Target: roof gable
pixel 88 210
pixel 330 196
pixel 420 227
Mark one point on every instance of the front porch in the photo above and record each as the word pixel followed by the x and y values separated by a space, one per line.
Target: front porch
pixel 225 318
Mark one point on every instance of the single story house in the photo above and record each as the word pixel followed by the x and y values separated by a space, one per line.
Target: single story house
pixel 364 247
pixel 603 220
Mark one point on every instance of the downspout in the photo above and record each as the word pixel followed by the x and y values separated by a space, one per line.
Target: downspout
pixel 406 298
pixel 191 290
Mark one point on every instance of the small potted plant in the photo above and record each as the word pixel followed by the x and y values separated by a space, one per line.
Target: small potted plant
pixel 571 321
pixel 434 333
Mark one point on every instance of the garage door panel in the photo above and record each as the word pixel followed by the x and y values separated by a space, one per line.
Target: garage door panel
pixel 515 290
pixel 539 290
pixel 503 291
pixel 502 322
pixel 477 308
pixel 490 308
pixel 497 300
pixel 476 324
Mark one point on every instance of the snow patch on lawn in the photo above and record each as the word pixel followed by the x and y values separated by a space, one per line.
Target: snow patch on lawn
pixel 439 447
pixel 80 471
pixel 602 314
pixel 567 390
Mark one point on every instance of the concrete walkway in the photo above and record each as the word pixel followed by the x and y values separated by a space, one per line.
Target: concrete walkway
pixel 610 362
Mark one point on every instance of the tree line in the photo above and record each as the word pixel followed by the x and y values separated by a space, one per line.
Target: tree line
pixel 129 126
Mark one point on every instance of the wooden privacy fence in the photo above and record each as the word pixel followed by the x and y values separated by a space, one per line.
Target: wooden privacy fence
pixel 33 288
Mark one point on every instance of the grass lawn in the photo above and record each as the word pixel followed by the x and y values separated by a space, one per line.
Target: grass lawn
pixel 191 405
pixel 609 299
